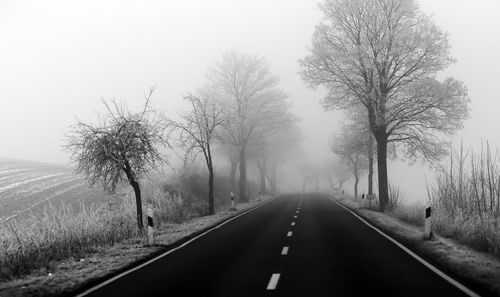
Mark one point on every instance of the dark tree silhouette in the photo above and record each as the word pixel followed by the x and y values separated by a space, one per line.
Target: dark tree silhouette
pixel 123 146
pixel 351 145
pixel 198 130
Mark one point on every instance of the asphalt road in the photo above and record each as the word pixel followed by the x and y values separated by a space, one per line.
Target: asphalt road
pixel 330 253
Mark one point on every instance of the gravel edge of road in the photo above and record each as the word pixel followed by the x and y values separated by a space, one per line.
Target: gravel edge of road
pixel 478 271
pixel 74 276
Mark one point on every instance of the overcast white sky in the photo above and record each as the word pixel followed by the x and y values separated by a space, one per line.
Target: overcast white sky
pixel 59 57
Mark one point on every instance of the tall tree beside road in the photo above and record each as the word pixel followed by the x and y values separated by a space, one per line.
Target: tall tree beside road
pixel 342 172
pixel 199 128
pixel 351 145
pixel 252 100
pixel 272 150
pixel 383 55
pixel 361 125
pixel 229 151
pixel 123 146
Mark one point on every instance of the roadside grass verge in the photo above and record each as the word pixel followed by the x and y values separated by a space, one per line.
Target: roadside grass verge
pixel 465 199
pixel 479 233
pixel 59 253
pixel 39 239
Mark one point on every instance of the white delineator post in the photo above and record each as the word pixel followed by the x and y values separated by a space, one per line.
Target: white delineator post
pixel 233 207
pixel 150 226
pixel 427 226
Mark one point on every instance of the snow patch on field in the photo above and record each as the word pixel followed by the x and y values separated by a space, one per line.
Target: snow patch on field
pixel 25 186
pixel 25 182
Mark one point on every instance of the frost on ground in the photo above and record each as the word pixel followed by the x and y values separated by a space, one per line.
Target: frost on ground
pixel 465 264
pixel 26 186
pixel 73 275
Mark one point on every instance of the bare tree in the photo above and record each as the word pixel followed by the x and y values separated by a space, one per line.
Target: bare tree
pixel 311 174
pixel 123 146
pixel 328 170
pixel 228 150
pixel 383 55
pixel 351 144
pixel 198 130
pixel 359 120
pixel 253 103
pixel 271 151
pixel 342 172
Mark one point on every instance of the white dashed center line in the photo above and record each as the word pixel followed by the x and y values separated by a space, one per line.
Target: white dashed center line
pixel 284 251
pixel 273 282
pixel 294 217
pixel 297 211
pixel 289 234
pixel 293 224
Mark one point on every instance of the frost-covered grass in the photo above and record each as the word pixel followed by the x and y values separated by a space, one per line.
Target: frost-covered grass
pixel 410 213
pixel 65 276
pixel 38 239
pixel 479 233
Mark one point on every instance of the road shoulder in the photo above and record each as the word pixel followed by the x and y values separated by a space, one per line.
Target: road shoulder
pixel 478 271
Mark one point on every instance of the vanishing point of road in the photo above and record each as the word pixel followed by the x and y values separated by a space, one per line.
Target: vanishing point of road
pixel 295 245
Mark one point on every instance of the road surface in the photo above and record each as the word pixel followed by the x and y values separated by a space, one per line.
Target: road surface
pixel 293 246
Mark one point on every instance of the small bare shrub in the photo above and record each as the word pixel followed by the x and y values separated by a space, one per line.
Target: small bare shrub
pixel 396 198
pixel 466 199
pixel 412 214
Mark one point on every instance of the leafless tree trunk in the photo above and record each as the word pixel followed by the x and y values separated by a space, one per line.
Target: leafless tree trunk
pixel 211 198
pixel 261 164
pixel 370 163
pixel 137 191
pixel 273 179
pixel 232 174
pixel 243 197
pixel 383 184
pixel 356 180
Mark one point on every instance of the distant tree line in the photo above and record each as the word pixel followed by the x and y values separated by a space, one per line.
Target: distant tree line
pixel 241 112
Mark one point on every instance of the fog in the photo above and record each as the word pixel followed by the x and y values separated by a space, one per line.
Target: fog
pixel 59 58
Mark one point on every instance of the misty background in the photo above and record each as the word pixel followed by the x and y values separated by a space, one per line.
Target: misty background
pixel 59 58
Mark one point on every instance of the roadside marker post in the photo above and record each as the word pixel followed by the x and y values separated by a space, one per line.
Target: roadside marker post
pixel 427 226
pixel 370 197
pixel 150 226
pixel 362 201
pixel 233 207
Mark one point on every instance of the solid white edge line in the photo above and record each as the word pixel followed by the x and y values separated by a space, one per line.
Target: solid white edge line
pixel 418 258
pixel 114 278
pixel 284 251
pixel 273 282
pixel 289 234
